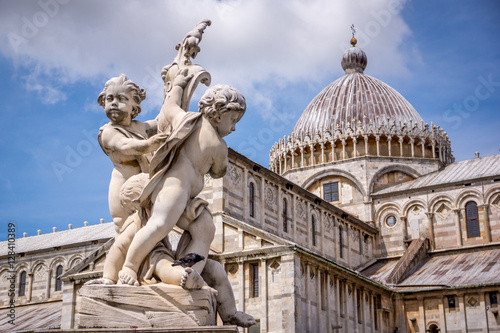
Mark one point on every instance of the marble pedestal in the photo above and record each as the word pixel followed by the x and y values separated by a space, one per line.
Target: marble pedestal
pixel 155 306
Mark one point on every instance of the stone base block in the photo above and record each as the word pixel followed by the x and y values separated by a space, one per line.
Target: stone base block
pixel 159 306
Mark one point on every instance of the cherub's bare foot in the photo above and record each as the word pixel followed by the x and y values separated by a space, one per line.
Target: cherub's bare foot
pixel 104 281
pixel 191 279
pixel 128 276
pixel 240 319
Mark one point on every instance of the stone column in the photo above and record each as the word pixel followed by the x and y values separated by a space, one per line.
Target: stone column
pixel 412 145
pixel 404 222
pixel 322 145
pixel 333 151
pixel 389 146
pixel 348 244
pixel 433 143
pixel 463 317
pixel 485 217
pixel 430 228
pixel 421 315
pixel 401 140
pixel 301 156
pixel 336 286
pixel 308 295
pixel 30 286
pixel 458 227
pixel 484 314
pixel 280 195
pixel 366 145
pixel 241 286
pixel 377 139
pixel 442 315
pixel 69 304
pixel 293 158
pixel 344 143
pixel 48 284
pixel 328 299
pixel 355 142
pixel 264 298
pixel 284 164
pixel 294 217
pixel 355 308
pixel 279 165
pixel 423 148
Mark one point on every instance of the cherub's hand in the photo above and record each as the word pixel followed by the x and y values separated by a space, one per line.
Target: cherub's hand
pixel 158 139
pixel 181 78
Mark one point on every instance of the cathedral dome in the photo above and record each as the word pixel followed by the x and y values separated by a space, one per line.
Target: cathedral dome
pixel 355 97
pixel 358 116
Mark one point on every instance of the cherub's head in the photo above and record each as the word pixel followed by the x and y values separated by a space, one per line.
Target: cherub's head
pixel 121 99
pixel 223 106
pixel 131 191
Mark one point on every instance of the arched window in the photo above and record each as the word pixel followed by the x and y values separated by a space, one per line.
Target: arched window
pixel 58 284
pixel 22 284
pixel 313 230
pixel 472 218
pixel 251 200
pixel 341 243
pixel 284 216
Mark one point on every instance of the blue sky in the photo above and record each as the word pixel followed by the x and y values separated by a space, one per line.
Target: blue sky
pixel 55 55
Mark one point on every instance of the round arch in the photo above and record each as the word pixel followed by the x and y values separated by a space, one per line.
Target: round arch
pixel 333 172
pixel 440 198
pixel 398 167
pixel 490 193
pixel 388 206
pixel 59 260
pixel 472 194
pixel 411 203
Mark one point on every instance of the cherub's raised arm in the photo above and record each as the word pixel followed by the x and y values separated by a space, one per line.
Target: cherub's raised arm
pixel 171 111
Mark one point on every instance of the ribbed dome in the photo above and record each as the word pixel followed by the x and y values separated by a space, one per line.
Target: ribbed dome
pixel 355 97
pixel 359 97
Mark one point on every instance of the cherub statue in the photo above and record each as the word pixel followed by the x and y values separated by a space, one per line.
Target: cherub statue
pixel 125 140
pixel 195 147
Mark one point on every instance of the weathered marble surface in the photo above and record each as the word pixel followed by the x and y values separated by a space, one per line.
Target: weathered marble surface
pixel 158 305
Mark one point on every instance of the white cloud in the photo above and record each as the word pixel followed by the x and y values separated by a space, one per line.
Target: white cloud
pixel 250 42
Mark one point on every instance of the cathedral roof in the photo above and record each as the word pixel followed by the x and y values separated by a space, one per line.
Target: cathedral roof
pixel 463 171
pixel 355 97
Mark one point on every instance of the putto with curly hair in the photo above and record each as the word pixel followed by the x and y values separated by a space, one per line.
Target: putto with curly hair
pixel 136 93
pixel 219 99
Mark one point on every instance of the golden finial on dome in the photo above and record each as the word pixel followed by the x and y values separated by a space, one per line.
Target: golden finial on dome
pixel 353 40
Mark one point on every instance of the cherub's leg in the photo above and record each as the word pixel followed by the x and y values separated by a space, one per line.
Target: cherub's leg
pixel 187 278
pixel 202 231
pixel 116 256
pixel 118 213
pixel 168 207
pixel 215 276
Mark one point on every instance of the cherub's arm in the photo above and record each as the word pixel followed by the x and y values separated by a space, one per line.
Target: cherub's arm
pixel 171 110
pixel 220 162
pixel 115 141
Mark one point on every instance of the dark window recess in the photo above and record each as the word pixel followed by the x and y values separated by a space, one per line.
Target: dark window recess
pixel 451 302
pixel 472 218
pixel 493 298
pixel 254 271
pixel 22 284
pixel 331 191
pixel 341 243
pixel 313 230
pixel 284 216
pixel 251 200
pixel 58 280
